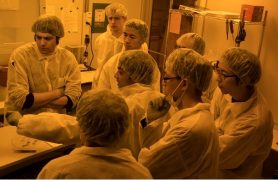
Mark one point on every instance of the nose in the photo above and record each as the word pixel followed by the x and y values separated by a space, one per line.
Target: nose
pixel 42 42
pixel 219 78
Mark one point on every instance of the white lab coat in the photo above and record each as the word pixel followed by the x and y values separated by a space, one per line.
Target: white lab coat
pixel 53 127
pixel 30 71
pixel 245 134
pixel 138 97
pixel 187 145
pixel 108 81
pixel 106 46
pixel 95 163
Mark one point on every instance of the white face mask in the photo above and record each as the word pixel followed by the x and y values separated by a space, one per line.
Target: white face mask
pixel 170 97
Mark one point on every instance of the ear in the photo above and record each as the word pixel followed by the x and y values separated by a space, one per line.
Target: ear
pixel 185 84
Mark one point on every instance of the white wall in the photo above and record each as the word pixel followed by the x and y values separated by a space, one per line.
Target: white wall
pixel 15 25
pixel 269 53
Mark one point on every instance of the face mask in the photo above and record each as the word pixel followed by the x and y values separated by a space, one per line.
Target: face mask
pixel 170 97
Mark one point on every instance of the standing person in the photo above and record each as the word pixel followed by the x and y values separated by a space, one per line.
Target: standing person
pixel 192 41
pixel 43 76
pixel 242 118
pixel 135 35
pixel 110 42
pixel 104 122
pixel 187 145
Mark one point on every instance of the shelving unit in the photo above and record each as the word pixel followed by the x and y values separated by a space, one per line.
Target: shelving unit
pixel 221 16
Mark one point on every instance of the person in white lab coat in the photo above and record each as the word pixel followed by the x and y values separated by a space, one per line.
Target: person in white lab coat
pixel 241 115
pixel 134 78
pixel 135 36
pixel 43 77
pixel 187 145
pixel 110 42
pixel 104 122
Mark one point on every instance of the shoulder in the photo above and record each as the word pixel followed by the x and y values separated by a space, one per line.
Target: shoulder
pixel 25 49
pixel 113 61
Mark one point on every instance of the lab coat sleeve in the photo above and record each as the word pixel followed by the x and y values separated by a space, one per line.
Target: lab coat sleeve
pixel 156 79
pixel 53 127
pixel 73 82
pixel 17 84
pixel 104 79
pixel 215 103
pixel 238 143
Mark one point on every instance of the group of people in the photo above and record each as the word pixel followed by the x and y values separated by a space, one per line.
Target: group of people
pixel 125 127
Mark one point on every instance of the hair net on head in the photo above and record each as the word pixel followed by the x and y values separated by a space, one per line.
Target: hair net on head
pixel 140 26
pixel 192 41
pixel 139 66
pixel 116 9
pixel 49 24
pixel 186 63
pixel 103 116
pixel 244 64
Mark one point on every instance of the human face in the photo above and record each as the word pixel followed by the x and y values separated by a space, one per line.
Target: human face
pixel 116 24
pixel 45 42
pixel 227 80
pixel 171 84
pixel 122 78
pixel 132 39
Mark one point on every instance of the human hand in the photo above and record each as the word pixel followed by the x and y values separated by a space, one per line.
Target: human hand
pixel 13 117
pixel 157 108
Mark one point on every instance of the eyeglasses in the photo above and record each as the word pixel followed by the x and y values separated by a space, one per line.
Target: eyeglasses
pixel 221 73
pixel 168 78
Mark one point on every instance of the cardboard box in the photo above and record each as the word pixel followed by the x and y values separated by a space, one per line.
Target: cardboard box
pixel 252 13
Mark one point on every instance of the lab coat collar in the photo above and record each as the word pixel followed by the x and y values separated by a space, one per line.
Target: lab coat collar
pixel 41 56
pixel 134 89
pixel 184 113
pixel 109 33
pixel 237 108
pixel 119 153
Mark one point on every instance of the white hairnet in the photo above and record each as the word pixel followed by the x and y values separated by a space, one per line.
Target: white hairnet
pixel 244 64
pixel 140 26
pixel 192 41
pixel 103 116
pixel 187 63
pixel 116 9
pixel 139 65
pixel 49 24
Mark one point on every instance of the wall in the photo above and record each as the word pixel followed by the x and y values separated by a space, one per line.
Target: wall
pixel 269 82
pixel 15 25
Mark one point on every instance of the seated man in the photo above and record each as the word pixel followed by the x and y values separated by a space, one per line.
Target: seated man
pixel 42 76
pixel 135 35
pixel 110 42
pixel 188 141
pixel 104 122
pixel 242 118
